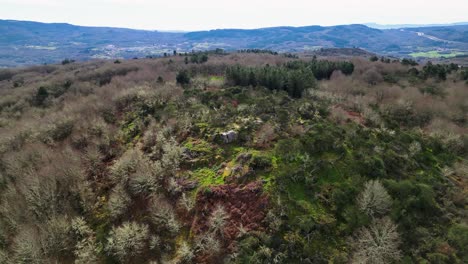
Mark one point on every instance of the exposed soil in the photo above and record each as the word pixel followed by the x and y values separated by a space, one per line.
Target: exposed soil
pixel 246 206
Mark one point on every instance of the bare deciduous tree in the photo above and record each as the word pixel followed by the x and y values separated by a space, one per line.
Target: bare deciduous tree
pixel 185 253
pixel 55 237
pixel 163 216
pixel 374 199
pixel 207 243
pixel 119 201
pixel 3 257
pixel 128 240
pixel 26 247
pixel 377 244
pixel 372 77
pixel 86 249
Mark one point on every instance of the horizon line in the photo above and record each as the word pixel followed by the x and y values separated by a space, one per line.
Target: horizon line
pixel 367 24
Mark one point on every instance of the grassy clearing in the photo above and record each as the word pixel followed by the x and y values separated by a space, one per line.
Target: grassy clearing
pixel 436 54
pixel 207 177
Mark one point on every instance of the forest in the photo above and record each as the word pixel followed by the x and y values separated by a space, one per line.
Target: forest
pixel 244 157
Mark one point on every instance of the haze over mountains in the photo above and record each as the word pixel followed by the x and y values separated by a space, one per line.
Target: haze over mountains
pixel 25 43
pixel 397 26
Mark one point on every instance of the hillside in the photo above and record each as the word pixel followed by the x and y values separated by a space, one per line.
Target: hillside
pixel 26 43
pixel 251 157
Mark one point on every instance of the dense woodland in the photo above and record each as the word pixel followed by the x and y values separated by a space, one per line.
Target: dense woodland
pixel 333 160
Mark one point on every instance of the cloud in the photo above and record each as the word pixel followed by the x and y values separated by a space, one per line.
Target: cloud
pixel 32 2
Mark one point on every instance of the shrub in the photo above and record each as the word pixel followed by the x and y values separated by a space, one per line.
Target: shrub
pixel 186 202
pixel 128 241
pixel 261 162
pixel 404 113
pixel 413 72
pixel 374 58
pixel 199 58
pixel 438 258
pixel 104 75
pixel 409 62
pixel 372 77
pixel 67 61
pixel 464 75
pixel 58 89
pixel 108 115
pixel 458 237
pixel 265 135
pixel 391 78
pixel 6 74
pixel 409 195
pixel 183 77
pixel 60 130
pixel 437 71
pixel 41 96
pixel 218 218
pixel 258 51
pixel 433 90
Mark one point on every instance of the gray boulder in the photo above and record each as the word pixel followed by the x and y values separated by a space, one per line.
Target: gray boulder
pixel 229 136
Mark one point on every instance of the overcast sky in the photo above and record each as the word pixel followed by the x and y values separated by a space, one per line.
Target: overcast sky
pixel 212 14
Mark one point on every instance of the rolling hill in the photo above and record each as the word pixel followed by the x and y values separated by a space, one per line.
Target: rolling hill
pixel 25 43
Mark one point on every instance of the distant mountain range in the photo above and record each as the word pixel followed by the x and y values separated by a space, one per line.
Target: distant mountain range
pixel 398 26
pixel 25 43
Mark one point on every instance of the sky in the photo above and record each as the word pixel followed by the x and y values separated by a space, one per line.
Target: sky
pixel 211 14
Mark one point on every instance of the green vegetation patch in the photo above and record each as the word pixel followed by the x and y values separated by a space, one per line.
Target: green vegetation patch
pixel 207 177
pixel 202 152
pixel 436 54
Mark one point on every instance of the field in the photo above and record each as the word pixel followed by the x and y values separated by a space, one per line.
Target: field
pixel 437 54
